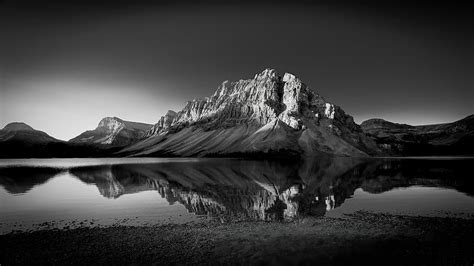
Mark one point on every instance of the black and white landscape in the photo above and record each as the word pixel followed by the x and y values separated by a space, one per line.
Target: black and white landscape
pixel 259 133
pixel 271 114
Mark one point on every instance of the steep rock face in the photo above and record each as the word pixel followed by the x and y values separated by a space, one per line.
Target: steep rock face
pixel 113 131
pixel 455 138
pixel 266 114
pixel 164 123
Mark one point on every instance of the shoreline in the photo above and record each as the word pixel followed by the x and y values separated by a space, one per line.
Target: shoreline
pixel 362 237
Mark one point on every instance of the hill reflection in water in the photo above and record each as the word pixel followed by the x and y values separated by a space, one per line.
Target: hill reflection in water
pixel 271 190
pixel 232 189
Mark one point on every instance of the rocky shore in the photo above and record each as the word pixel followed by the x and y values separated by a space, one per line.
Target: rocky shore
pixel 361 238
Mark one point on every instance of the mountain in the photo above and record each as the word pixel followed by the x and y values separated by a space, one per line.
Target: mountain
pixel 23 133
pixel 456 138
pixel 113 132
pixel 164 122
pixel 264 116
pixel 19 140
pixel 268 114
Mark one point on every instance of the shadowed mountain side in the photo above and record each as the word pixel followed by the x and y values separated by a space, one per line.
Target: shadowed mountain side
pixel 19 149
pixel 18 140
pixel 280 116
pixel 268 190
pixel 456 138
pixel 18 180
pixel 267 116
pixel 21 140
pixel 21 132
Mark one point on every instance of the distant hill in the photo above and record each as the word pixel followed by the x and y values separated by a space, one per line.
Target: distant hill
pixel 23 133
pixel 456 138
pixel 19 140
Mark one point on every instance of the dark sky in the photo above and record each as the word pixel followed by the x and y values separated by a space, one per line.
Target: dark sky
pixel 64 67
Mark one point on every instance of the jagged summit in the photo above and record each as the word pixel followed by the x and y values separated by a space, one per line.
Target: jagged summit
pixel 17 126
pixel 164 122
pixel 269 113
pixel 271 96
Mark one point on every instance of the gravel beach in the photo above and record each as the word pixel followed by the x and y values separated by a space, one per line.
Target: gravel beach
pixel 361 238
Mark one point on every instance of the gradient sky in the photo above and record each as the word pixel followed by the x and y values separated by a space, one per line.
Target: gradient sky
pixel 64 67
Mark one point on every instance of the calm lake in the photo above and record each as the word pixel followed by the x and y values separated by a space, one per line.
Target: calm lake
pixel 65 193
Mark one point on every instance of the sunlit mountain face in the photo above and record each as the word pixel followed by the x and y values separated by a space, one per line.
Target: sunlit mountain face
pixel 80 61
pixel 236 132
pixel 273 114
pixel 257 190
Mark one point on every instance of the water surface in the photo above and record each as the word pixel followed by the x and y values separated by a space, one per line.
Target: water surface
pixel 137 191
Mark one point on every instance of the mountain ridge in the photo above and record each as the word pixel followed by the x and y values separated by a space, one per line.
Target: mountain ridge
pixel 441 139
pixel 19 140
pixel 113 131
pixel 18 126
pixel 21 132
pixel 264 116
pixel 238 118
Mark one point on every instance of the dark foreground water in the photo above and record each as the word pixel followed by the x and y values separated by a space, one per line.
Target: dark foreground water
pixel 62 193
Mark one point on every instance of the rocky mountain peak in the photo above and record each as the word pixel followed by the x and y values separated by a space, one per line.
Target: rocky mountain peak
pixel 18 126
pixel 266 97
pixel 164 123
pixel 111 124
pixel 109 120
pixel 267 73
pixel 261 114
pixel 113 131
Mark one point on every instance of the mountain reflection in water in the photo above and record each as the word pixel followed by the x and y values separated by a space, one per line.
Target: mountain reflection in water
pixel 255 190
